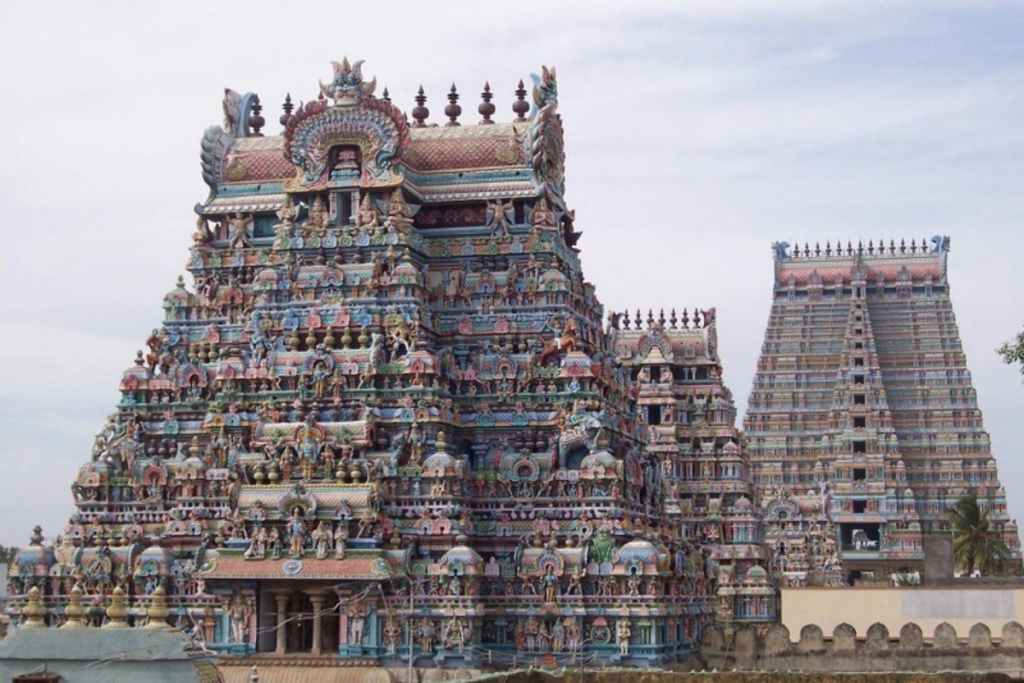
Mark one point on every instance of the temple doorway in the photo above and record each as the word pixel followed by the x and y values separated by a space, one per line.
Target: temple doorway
pixel 306 622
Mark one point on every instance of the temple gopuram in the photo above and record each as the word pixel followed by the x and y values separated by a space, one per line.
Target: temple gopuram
pixel 689 418
pixel 863 427
pixel 387 423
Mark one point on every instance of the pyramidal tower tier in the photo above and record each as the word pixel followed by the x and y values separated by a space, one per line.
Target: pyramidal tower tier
pixel 386 422
pixel 863 427
pixel 690 417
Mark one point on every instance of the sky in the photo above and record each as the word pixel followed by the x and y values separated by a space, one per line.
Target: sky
pixel 697 133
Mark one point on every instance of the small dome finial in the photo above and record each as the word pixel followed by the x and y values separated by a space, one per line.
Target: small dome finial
pixel 287 107
pixel 486 107
pixel 157 612
pixel 74 610
pixel 420 111
pixel 117 611
pixel 34 611
pixel 453 110
pixel 256 120
pixel 520 106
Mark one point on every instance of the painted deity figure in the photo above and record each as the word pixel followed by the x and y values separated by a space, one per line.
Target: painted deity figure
pixel 322 537
pixel 318 218
pixel 573 634
pixel 602 547
pixel 202 235
pixel 340 539
pixel 240 612
pixel 309 444
pixel 532 626
pixel 425 634
pixel 65 553
pixel 623 634
pixel 239 231
pixel 392 633
pixel 368 215
pixel 416 442
pixel 498 216
pixel 357 622
pixel 283 230
pixel 575 584
pixel 274 543
pixel 397 208
pixel 541 216
pixel 297 533
pixel 257 544
pixel 452 637
pixel 557 637
pixel 550 585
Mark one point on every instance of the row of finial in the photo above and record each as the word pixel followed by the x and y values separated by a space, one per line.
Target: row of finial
pixel 420 113
pixel 117 612
pixel 674 322
pixel 849 250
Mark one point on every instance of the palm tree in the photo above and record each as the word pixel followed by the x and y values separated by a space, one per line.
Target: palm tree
pixel 975 542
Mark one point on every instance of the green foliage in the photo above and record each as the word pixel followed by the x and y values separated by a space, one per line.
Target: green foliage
pixel 1013 351
pixel 7 554
pixel 976 545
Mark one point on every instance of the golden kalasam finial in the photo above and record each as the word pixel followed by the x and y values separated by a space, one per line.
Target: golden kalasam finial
pixel 117 611
pixel 158 612
pixel 34 611
pixel 74 610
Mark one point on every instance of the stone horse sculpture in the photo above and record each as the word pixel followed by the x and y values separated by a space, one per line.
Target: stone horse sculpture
pixel 564 341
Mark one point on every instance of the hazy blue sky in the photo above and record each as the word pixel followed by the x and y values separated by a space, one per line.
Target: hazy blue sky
pixel 697 133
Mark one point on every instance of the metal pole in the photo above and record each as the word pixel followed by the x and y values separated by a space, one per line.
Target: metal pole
pixel 583 644
pixel 411 595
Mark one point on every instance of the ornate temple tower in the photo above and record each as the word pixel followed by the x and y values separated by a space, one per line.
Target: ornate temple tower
pixel 863 426
pixel 690 417
pixel 387 412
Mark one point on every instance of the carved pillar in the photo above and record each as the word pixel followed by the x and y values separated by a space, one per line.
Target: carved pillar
pixel 282 597
pixel 316 599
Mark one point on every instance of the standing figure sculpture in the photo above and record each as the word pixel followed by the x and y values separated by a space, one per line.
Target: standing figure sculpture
pixel 551 585
pixel 623 634
pixel 297 534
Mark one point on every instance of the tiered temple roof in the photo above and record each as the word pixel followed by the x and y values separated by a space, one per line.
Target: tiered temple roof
pixel 690 422
pixel 863 426
pixel 388 410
